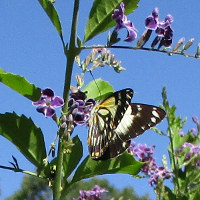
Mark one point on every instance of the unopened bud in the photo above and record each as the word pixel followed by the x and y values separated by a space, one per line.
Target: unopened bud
pixel 113 38
pixel 198 51
pixel 144 38
pixel 87 61
pixel 195 119
pixel 188 44
pixel 179 43
pixel 80 81
pixel 155 41
pixel 78 60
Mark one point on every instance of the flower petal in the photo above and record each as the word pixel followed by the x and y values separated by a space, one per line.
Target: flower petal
pixel 40 102
pixel 155 12
pixel 57 101
pixel 169 18
pixel 118 13
pixel 48 92
pixel 49 112
pixel 123 22
pixel 151 23
pixel 132 34
pixel 46 111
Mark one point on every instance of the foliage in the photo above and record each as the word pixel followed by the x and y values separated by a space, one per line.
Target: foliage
pixel 33 188
pixel 184 157
pixel 65 160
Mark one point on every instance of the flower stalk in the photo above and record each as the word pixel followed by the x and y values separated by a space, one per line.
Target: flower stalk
pixel 71 52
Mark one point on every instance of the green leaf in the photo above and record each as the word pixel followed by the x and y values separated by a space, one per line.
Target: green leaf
pixel 195 195
pixel 71 160
pixel 124 163
pixel 53 15
pixel 79 42
pixel 98 89
pixel 20 85
pixel 25 135
pixel 100 18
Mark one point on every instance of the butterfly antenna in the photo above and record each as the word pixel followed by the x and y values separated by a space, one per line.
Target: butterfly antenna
pixel 95 82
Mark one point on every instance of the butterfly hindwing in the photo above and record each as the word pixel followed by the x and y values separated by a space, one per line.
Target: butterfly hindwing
pixel 115 148
pixel 105 117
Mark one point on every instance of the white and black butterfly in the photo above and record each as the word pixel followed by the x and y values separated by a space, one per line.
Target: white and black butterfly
pixel 115 120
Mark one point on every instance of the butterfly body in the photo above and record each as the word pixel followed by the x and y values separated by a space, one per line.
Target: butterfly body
pixel 115 120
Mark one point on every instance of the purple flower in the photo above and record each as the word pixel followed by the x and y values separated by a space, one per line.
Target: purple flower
pixel 159 174
pixel 193 131
pixel 123 22
pixel 80 107
pixel 162 28
pixel 197 164
pixel 193 150
pixel 142 151
pixel 151 22
pixel 195 119
pixel 144 154
pixel 48 102
pixel 96 194
pixel 181 133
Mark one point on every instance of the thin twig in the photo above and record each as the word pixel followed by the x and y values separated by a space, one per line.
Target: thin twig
pixel 170 53
pixel 20 170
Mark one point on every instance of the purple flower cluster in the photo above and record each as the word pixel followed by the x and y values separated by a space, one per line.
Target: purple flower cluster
pixel 160 173
pixel 80 107
pixel 194 150
pixel 123 22
pixel 193 131
pixel 162 28
pixel 93 194
pixel 145 154
pixel 188 149
pixel 48 102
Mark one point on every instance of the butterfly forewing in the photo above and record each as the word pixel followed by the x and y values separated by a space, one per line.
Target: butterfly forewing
pixel 137 119
pixel 105 117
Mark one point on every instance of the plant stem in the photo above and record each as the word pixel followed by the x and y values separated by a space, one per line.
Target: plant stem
pixel 168 52
pixel 71 52
pixel 57 183
pixel 177 188
pixel 20 170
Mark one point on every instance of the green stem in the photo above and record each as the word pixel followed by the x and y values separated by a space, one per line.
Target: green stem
pixel 71 52
pixel 177 188
pixel 57 183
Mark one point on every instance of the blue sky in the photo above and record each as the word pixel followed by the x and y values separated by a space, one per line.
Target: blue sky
pixel 30 47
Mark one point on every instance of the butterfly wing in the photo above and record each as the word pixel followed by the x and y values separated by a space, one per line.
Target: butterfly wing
pixel 137 119
pixel 105 117
pixel 116 147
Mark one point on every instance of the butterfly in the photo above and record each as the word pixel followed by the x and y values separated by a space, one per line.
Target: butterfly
pixel 114 121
